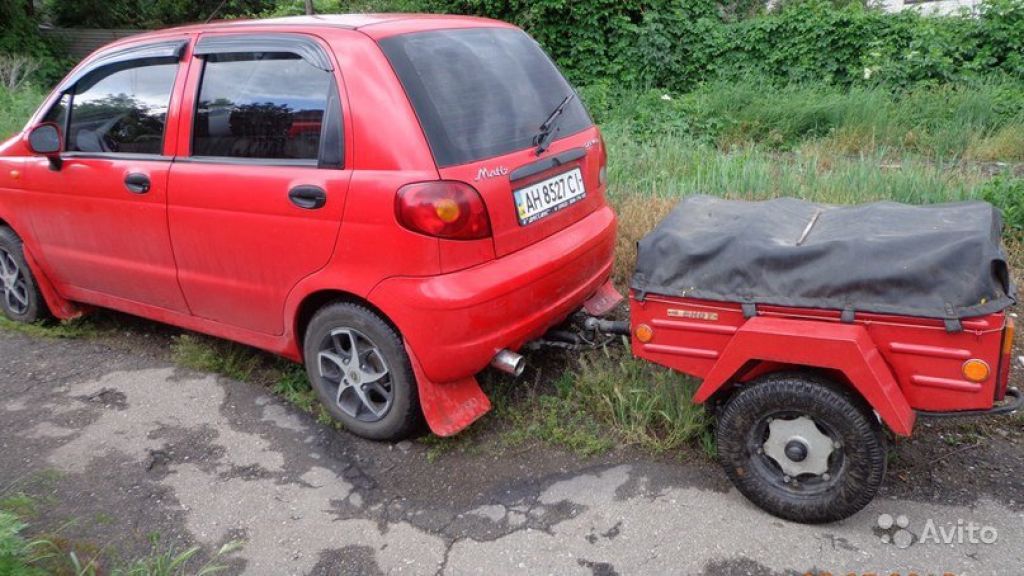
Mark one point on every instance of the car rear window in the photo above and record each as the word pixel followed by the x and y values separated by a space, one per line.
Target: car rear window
pixel 480 92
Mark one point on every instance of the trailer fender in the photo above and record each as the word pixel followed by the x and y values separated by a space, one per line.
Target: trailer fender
pixel 847 348
pixel 448 407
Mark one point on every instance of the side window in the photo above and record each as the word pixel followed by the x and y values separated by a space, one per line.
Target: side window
pixel 263 105
pixel 122 109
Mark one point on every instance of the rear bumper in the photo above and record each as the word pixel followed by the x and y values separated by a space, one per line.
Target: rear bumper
pixel 457 322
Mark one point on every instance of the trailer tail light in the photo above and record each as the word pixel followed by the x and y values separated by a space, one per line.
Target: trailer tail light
pixel 1005 362
pixel 444 209
pixel 644 333
pixel 976 370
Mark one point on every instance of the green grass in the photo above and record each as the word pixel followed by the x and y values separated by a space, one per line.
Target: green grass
pixel 215 355
pixel 16 107
pixel 56 556
pixel 78 328
pixel 980 121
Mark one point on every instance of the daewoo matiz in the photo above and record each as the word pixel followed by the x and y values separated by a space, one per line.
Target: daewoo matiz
pixel 397 201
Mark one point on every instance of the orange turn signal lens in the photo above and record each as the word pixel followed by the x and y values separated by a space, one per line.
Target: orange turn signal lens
pixel 976 370
pixel 447 210
pixel 644 333
pixel 1008 335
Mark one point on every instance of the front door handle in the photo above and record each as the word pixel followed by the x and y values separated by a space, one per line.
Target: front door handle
pixel 137 183
pixel 308 197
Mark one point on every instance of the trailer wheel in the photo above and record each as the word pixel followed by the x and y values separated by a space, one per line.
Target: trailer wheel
pixel 802 447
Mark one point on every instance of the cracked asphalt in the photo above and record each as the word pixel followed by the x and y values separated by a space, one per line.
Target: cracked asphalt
pixel 125 445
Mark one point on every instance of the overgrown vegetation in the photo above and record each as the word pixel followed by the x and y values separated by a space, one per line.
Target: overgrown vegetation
pixel 51 554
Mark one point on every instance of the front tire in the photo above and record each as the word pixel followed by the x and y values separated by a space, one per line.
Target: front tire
pixel 356 363
pixel 802 447
pixel 20 299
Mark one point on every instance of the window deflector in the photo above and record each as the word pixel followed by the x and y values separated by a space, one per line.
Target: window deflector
pixel 169 50
pixel 302 46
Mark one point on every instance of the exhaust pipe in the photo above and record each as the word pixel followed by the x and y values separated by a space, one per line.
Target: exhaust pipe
pixel 509 362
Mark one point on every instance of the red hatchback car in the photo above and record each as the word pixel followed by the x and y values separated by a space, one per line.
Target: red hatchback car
pixel 398 201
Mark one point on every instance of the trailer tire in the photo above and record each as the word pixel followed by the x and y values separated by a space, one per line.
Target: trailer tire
pixel 802 447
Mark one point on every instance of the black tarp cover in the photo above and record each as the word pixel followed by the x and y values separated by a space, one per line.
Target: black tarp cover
pixel 938 261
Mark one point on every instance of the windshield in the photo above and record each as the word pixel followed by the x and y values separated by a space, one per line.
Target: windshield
pixel 481 92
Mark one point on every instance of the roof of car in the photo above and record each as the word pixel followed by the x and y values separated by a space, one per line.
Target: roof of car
pixel 376 26
pixel 349 21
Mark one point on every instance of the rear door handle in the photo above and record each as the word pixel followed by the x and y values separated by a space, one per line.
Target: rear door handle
pixel 137 183
pixel 308 197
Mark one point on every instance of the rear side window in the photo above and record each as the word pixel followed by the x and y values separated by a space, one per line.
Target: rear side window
pixel 480 92
pixel 121 109
pixel 261 105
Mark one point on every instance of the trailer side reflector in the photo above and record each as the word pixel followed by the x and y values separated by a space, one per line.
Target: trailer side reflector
pixel 976 370
pixel 644 333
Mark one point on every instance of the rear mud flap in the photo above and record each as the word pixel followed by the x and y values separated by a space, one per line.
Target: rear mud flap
pixel 448 407
pixel 603 301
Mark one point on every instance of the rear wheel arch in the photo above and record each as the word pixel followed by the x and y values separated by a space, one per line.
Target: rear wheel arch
pixel 315 301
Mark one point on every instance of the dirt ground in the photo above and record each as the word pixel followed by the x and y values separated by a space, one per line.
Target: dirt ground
pixel 117 445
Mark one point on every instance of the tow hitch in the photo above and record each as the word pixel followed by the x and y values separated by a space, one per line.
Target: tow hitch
pixel 582 332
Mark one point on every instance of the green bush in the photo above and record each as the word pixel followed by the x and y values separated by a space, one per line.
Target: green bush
pixel 677 45
pixel 16 107
pixel 147 13
pixel 1006 192
pixel 19 34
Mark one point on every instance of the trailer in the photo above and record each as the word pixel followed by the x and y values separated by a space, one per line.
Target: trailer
pixel 815 328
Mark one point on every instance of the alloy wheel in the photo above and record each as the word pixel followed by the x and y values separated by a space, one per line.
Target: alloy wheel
pixel 353 367
pixel 13 285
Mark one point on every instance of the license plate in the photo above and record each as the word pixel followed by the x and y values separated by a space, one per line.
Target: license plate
pixel 545 198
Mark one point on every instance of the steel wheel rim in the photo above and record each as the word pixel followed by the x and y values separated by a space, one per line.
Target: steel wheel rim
pixel 13 285
pixel 767 463
pixel 353 369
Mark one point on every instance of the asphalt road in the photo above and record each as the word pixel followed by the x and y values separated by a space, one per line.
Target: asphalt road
pixel 127 446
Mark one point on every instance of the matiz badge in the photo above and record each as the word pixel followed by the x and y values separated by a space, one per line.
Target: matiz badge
pixel 486 174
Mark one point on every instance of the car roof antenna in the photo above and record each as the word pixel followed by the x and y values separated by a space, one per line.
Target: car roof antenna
pixel 215 11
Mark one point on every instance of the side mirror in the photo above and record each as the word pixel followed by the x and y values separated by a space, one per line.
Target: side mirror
pixel 45 140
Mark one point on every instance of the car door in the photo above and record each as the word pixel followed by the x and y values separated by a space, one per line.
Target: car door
pixel 100 213
pixel 257 194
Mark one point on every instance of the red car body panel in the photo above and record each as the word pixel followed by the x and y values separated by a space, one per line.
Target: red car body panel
pixel 898 364
pixel 218 248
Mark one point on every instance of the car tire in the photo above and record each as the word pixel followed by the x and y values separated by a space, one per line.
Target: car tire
pixel 20 299
pixel 802 447
pixel 376 397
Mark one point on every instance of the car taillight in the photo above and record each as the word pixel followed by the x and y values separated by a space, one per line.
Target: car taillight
pixel 445 209
pixel 603 174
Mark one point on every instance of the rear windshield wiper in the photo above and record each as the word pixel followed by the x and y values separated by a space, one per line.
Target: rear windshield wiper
pixel 547 130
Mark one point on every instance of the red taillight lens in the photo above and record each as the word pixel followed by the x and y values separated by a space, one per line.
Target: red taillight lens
pixel 444 209
pixel 603 174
